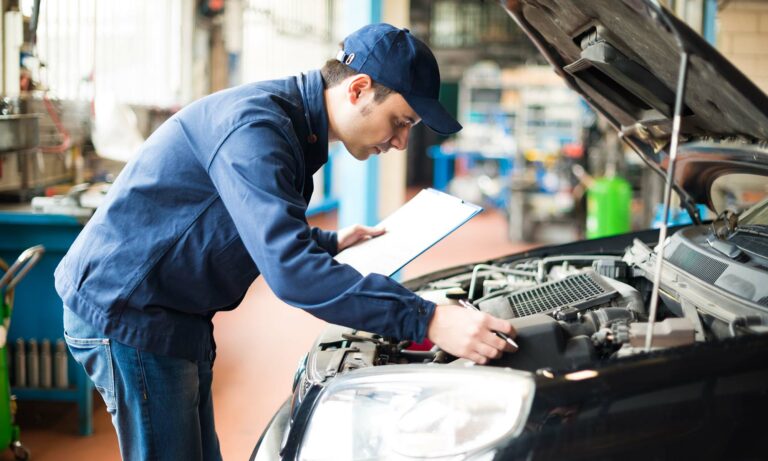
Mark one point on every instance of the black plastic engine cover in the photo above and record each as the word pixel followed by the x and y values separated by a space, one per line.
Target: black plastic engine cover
pixel 545 344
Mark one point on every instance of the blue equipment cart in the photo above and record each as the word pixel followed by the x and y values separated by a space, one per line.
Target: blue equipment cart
pixel 40 319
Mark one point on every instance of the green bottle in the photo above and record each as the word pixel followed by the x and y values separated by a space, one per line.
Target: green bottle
pixel 609 202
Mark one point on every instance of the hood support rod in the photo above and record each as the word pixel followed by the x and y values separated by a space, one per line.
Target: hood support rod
pixel 679 93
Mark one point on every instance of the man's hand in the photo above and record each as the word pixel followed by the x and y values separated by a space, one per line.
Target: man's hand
pixel 357 233
pixel 469 334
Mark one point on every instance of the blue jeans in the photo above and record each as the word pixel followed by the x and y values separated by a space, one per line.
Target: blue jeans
pixel 161 406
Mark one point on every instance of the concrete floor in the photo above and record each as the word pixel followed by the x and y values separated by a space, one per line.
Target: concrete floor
pixel 259 346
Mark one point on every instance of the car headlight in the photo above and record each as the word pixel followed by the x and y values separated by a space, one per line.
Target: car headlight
pixel 417 411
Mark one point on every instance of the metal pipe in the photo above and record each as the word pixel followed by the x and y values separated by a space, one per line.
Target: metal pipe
pixel 20 364
pixel 541 265
pixel 33 364
pixel 61 379
pixel 33 22
pixel 21 266
pixel 544 262
pixel 46 369
pixel 680 92
pixel 491 269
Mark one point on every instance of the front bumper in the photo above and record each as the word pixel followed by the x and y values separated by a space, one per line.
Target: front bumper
pixel 268 446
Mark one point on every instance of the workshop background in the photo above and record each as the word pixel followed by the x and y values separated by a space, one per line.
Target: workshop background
pixel 84 82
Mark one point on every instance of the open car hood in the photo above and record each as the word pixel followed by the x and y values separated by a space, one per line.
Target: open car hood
pixel 623 57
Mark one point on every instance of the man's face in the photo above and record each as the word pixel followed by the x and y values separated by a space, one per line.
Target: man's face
pixel 367 127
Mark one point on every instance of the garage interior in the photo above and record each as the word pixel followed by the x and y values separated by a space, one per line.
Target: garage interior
pixel 85 82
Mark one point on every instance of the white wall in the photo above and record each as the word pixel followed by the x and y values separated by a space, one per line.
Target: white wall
pixel 140 52
pixel 284 37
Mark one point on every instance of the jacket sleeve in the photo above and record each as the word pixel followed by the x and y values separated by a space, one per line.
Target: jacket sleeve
pixel 328 240
pixel 255 171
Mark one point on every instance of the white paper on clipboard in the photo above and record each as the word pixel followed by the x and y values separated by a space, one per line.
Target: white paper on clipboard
pixel 410 230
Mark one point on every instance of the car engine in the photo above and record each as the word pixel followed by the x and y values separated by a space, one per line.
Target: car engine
pixel 569 311
pixel 572 311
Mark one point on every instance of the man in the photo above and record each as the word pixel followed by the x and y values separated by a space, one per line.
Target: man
pixel 217 196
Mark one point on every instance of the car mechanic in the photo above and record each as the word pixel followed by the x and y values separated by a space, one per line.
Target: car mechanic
pixel 217 196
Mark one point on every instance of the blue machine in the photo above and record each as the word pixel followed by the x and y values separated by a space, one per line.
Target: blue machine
pixel 38 310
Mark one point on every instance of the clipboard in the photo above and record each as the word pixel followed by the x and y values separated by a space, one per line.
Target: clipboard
pixel 410 231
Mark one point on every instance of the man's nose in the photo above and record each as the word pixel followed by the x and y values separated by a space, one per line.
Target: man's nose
pixel 400 140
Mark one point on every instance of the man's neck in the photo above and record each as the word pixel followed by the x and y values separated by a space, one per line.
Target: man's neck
pixel 328 97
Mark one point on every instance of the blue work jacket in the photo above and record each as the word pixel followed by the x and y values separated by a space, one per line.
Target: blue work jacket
pixel 216 196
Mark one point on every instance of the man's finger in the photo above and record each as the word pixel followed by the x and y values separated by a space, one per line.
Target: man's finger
pixel 494 341
pixel 500 343
pixel 487 351
pixel 477 358
pixel 375 231
pixel 502 326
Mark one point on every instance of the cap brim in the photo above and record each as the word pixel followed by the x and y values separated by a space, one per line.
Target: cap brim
pixel 434 115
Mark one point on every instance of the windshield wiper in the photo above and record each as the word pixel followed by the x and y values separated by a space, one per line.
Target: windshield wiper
pixel 756 229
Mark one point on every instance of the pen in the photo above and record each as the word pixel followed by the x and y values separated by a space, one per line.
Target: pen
pixel 501 335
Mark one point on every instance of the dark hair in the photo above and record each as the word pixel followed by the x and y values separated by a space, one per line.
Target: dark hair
pixel 334 72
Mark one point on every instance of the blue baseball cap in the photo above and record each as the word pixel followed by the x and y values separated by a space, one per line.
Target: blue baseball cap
pixel 398 60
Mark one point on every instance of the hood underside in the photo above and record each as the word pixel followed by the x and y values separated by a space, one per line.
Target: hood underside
pixel 699 165
pixel 624 56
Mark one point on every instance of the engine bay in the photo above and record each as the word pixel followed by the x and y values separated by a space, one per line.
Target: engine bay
pixel 574 311
pixel 568 311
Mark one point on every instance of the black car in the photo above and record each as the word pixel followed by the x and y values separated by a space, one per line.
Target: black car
pixel 622 355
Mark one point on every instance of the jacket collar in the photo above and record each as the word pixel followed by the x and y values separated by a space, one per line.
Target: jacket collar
pixel 313 102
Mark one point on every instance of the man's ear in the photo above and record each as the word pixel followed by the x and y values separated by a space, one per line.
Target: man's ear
pixel 358 87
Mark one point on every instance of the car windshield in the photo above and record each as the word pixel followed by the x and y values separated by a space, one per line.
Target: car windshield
pixel 755 216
